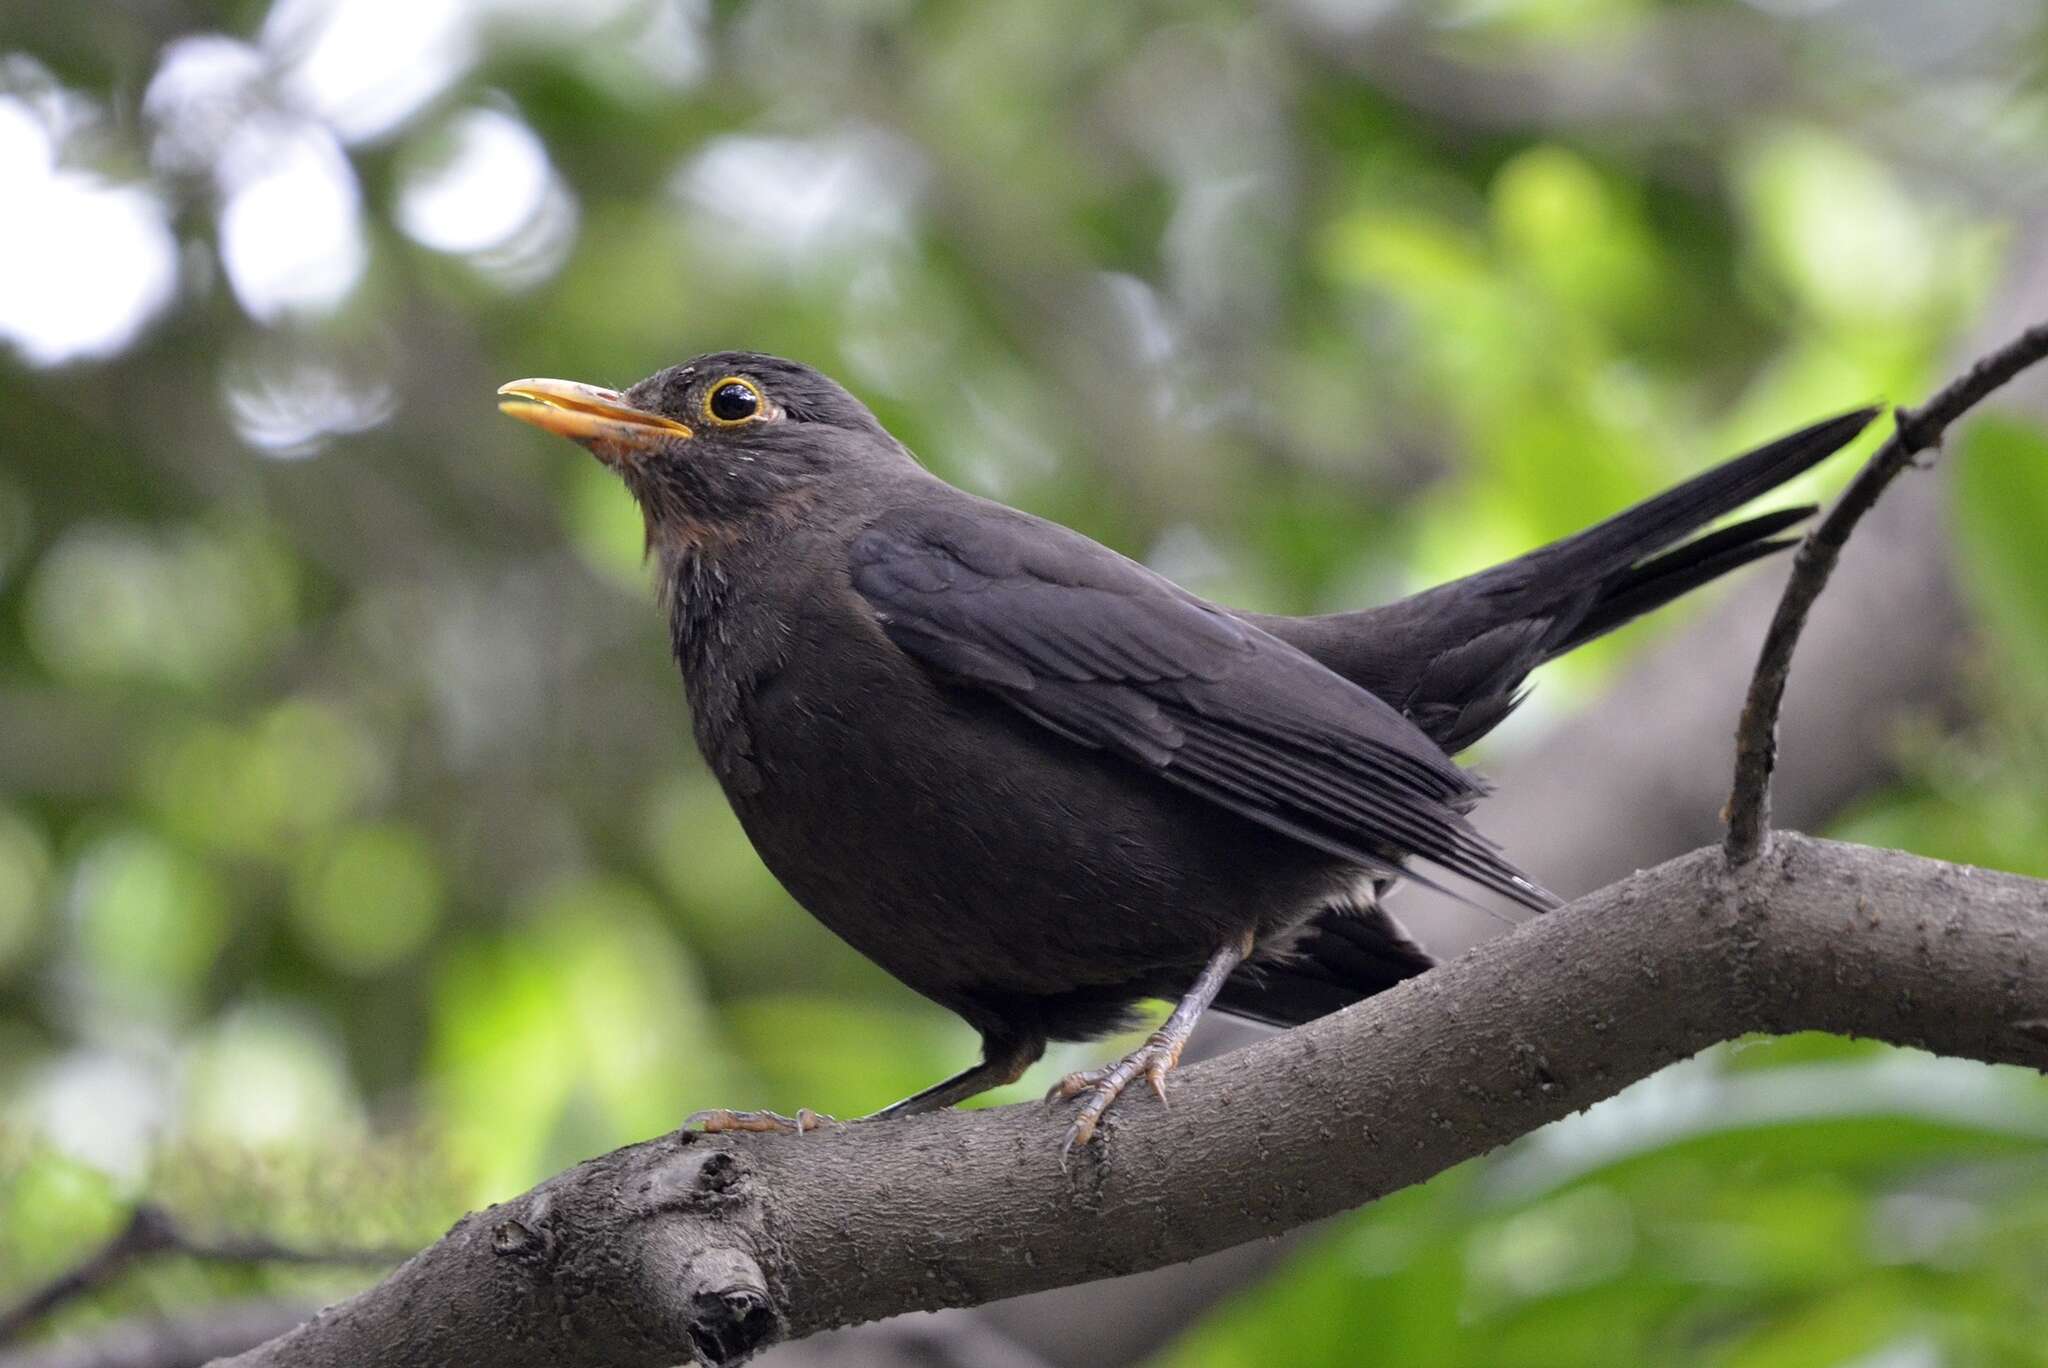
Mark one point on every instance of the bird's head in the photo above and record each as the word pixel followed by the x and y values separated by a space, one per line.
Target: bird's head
pixel 712 444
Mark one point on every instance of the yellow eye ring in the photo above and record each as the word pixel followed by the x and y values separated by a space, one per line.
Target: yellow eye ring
pixel 732 401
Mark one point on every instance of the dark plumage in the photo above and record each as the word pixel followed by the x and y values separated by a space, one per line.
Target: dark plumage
pixel 1038 782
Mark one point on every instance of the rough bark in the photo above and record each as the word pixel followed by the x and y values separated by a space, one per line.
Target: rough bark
pixel 715 1246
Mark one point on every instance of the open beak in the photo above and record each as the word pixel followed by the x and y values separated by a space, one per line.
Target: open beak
pixel 600 419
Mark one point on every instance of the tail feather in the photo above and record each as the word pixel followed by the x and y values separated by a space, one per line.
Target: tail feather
pixel 1348 953
pixel 1614 545
pixel 1454 657
pixel 1652 584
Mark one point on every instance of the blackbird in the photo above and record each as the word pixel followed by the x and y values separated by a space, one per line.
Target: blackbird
pixel 1040 783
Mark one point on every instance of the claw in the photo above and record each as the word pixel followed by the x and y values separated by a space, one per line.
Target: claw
pixel 1074 1084
pixel 1154 1059
pixel 720 1121
pixel 1100 1087
pixel 1080 1133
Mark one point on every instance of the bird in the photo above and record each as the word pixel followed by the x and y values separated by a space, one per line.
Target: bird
pixel 1041 784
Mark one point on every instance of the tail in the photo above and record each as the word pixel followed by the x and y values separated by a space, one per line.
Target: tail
pixel 1454 658
pixel 1348 953
pixel 1614 547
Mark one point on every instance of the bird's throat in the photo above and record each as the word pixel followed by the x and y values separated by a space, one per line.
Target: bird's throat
pixel 696 592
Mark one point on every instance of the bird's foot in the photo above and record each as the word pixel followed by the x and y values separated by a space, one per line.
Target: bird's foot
pixel 1099 1087
pixel 719 1121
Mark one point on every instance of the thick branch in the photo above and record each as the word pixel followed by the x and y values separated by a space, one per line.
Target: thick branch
pixel 689 1244
pixel 1917 430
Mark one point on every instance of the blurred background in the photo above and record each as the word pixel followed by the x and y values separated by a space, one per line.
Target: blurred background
pixel 356 866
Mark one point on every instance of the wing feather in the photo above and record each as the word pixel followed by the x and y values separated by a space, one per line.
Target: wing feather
pixel 1105 653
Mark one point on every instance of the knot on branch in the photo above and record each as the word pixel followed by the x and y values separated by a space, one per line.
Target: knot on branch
pixel 699 1179
pixel 697 1207
pixel 728 1314
pixel 515 1240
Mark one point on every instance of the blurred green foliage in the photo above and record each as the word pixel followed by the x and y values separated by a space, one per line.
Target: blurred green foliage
pixel 355 866
pixel 1796 1202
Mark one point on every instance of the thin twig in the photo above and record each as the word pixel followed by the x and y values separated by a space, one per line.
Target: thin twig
pixel 1756 738
pixel 179 1339
pixel 150 1230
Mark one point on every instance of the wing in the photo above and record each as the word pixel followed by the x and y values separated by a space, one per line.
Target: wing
pixel 1109 655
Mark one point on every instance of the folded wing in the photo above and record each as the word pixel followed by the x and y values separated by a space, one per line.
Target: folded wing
pixel 1107 654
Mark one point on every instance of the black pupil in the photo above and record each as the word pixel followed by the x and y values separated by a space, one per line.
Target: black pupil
pixel 733 402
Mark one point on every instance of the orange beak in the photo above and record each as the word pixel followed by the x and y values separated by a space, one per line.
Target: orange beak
pixel 599 419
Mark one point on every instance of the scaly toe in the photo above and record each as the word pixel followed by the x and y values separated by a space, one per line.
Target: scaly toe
pixel 1100 1088
pixel 720 1121
pixel 1074 1084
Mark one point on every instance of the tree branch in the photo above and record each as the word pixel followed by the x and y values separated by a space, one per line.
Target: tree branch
pixel 182 1341
pixel 715 1246
pixel 1756 742
pixel 694 1246
pixel 151 1230
pixel 1699 66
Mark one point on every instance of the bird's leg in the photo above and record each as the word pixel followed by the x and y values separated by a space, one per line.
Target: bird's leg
pixel 1155 1058
pixel 1003 1060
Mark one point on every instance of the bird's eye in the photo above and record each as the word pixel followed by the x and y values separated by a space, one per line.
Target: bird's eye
pixel 733 401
